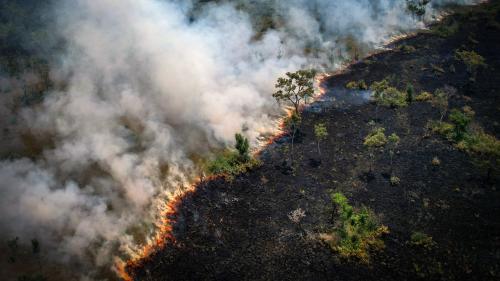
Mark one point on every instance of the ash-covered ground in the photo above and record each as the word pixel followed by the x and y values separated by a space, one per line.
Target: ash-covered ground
pixel 240 229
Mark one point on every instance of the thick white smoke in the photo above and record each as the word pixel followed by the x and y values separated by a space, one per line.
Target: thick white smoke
pixel 149 85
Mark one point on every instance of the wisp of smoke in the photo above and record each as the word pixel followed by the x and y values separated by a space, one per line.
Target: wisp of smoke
pixel 150 85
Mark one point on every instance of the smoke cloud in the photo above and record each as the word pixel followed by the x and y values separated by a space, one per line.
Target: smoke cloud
pixel 149 86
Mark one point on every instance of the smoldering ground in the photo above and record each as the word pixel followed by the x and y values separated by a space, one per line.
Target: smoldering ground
pixel 149 86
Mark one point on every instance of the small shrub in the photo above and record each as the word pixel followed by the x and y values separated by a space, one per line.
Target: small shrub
pixel 442 128
pixel 410 92
pixel 424 96
pixel 435 161
pixel 461 121
pixel 392 97
pixel 395 180
pixel 357 85
pixel 421 239
pixel 446 29
pixel 242 146
pixel 376 138
pixel 407 49
pixel 471 59
pixel 357 231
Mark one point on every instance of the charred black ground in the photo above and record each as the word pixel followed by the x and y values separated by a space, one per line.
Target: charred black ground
pixel 240 230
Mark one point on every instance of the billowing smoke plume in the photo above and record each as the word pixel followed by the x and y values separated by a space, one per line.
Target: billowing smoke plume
pixel 151 85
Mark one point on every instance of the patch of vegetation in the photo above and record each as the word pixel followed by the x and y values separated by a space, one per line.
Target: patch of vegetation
pixel 386 95
pixel 417 7
pixel 484 148
pixel 357 231
pixel 472 60
pixel 440 99
pixel 424 96
pixel 230 163
pixel 435 161
pixel 295 88
pixel 395 180
pixel 376 138
pixel 446 29
pixel 421 239
pixel 357 85
pixel 407 48
pixel 410 93
pixel 320 132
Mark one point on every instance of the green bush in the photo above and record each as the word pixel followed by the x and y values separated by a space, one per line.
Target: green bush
pixel 421 239
pixel 395 180
pixel 392 97
pixel 460 121
pixel 357 85
pixel 471 59
pixel 376 138
pixel 424 96
pixel 357 231
pixel 444 129
pixel 229 163
pixel 410 92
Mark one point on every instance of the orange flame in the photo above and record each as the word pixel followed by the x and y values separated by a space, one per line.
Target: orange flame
pixel 168 210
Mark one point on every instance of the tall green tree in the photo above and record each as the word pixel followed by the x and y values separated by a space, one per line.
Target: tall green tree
pixel 295 88
pixel 242 146
pixel 321 133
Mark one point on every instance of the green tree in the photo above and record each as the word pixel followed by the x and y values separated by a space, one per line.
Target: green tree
pixel 375 139
pixel 292 124
pixel 378 88
pixel 295 88
pixel 242 146
pixel 461 121
pixel 410 93
pixel 417 7
pixel 321 133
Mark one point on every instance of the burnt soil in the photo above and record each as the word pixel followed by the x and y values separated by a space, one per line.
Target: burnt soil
pixel 240 230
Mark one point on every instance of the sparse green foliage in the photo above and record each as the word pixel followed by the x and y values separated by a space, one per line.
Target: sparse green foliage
pixel 378 87
pixel 395 180
pixel 242 146
pixel 233 162
pixel 421 239
pixel 386 95
pixel 407 48
pixel 440 100
pixel 357 85
pixel 229 164
pixel 292 124
pixel 376 138
pixel 446 28
pixel 460 121
pixel 472 60
pixel 295 88
pixel 356 232
pixel 321 133
pixel 442 128
pixel 410 92
pixel 417 7
pixel 424 96
pixel 392 97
